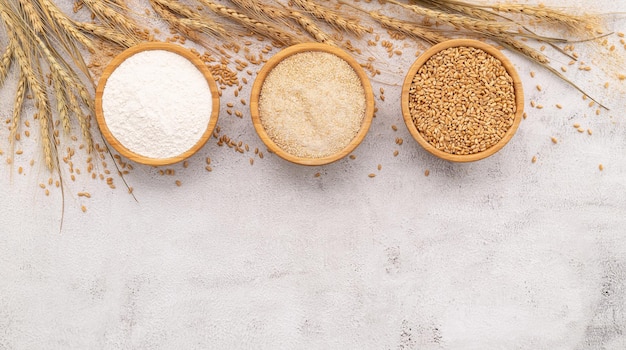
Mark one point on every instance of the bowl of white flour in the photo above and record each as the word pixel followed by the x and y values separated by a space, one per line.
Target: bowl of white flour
pixel 157 103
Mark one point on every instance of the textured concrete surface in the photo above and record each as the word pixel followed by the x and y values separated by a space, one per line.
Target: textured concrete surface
pixel 498 254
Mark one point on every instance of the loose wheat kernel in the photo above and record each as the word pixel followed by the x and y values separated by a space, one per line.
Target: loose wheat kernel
pixel 589 131
pixel 534 160
pixel 601 167
pixel 208 168
pixel 83 208
pixel 178 183
pixel 524 115
pixel 576 125
pixel 372 175
pixel 554 140
pixel 532 74
pixel 620 34
pixel 19 170
pixel 379 167
pixel 395 153
pixel 251 161
pixel 532 104
pixel 606 85
pixel 563 68
pixel 47 192
pixel 426 172
pixel 84 194
pixel 538 87
pixel 185 164
pixel 352 156
pixel 317 175
pixel 559 106
pixel 597 112
pixel 394 128
pixel 539 106
pixel 581 130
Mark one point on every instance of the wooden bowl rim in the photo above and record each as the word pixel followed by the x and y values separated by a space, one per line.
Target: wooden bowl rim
pixel 517 87
pixel 116 62
pixel 272 63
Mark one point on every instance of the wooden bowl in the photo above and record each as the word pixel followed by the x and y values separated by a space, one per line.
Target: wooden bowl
pixel 115 63
pixel 517 87
pixel 271 64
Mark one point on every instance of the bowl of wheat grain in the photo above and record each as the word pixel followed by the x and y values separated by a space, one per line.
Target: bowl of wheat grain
pixel 312 104
pixel 462 100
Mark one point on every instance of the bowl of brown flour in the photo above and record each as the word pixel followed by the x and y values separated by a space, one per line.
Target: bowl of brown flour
pixel 312 104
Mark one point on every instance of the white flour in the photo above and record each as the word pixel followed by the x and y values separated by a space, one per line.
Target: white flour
pixel 157 104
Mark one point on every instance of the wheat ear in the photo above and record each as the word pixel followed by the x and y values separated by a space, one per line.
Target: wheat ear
pixel 459 21
pixel 5 62
pixel 117 19
pixel 65 24
pixel 192 22
pixel 31 14
pixel 17 108
pixel 408 28
pixel 107 34
pixel 259 27
pixel 310 27
pixel 332 17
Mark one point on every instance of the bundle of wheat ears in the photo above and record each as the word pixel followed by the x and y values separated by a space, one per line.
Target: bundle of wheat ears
pixel 48 49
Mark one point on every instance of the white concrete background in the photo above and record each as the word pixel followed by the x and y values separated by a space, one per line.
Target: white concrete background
pixel 497 254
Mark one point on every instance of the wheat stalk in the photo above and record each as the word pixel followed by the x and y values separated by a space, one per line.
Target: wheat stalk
pixel 259 27
pixel 310 27
pixel 332 17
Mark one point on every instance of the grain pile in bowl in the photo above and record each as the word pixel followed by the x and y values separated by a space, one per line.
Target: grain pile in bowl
pixel 462 100
pixel 312 104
